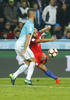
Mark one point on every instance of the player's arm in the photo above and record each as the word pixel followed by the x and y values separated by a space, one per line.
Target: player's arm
pixel 26 44
pixel 45 40
pixel 46 29
pixel 27 41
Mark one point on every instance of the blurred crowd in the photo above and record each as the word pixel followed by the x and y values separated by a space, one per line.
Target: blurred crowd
pixel 56 13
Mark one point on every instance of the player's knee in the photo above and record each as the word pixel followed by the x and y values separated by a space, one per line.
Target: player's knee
pixel 33 60
pixel 42 67
pixel 27 62
pixel 45 60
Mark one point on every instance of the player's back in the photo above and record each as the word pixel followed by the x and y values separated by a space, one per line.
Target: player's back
pixel 27 28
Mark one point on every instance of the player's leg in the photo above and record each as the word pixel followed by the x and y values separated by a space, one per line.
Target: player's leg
pixel 31 68
pixel 46 71
pixel 44 58
pixel 29 61
pixel 21 69
pixel 49 73
pixel 21 63
pixel 30 71
pixel 30 57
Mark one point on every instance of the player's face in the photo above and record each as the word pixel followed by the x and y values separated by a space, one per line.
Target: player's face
pixel 35 34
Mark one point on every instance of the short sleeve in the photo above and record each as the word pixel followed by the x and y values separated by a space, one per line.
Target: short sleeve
pixel 40 32
pixel 30 29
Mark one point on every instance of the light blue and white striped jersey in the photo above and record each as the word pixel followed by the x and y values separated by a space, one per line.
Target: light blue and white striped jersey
pixel 27 28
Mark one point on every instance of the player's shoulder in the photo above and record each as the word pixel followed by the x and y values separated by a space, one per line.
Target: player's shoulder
pixel 40 31
pixel 29 24
pixel 29 21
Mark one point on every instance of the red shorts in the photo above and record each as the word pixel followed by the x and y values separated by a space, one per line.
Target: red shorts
pixel 38 58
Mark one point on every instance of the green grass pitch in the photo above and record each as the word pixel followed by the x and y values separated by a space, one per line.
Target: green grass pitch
pixel 43 89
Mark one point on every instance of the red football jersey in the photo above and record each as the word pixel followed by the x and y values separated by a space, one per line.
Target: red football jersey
pixel 36 47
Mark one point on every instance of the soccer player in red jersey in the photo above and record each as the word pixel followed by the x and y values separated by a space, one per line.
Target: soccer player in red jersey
pixel 40 57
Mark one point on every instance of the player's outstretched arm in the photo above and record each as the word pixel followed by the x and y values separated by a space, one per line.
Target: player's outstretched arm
pixel 46 29
pixel 45 40
pixel 26 44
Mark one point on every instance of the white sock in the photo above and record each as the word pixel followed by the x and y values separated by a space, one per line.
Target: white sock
pixel 30 70
pixel 26 71
pixel 20 70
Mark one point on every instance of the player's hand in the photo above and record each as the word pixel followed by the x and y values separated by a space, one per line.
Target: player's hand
pixel 22 52
pixel 53 38
pixel 48 27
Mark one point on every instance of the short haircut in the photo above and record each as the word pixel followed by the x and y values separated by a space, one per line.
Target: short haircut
pixel 30 12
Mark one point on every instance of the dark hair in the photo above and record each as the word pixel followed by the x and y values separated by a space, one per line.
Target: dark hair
pixel 30 11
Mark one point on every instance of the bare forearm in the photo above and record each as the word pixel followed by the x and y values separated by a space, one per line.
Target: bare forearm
pixel 43 40
pixel 46 29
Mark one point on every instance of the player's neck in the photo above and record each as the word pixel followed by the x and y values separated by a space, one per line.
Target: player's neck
pixel 31 19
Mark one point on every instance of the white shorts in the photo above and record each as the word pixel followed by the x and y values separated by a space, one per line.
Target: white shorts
pixel 27 55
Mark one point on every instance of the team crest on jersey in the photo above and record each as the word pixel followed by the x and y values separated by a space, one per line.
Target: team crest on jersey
pixel 30 29
pixel 33 39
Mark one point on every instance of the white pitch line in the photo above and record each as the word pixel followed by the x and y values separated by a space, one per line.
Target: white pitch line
pixel 47 86
pixel 35 86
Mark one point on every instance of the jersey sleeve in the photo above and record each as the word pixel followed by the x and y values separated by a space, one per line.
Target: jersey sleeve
pixel 30 29
pixel 40 32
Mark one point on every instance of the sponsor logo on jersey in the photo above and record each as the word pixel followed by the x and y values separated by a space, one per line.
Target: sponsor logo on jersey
pixel 30 29
pixel 33 40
